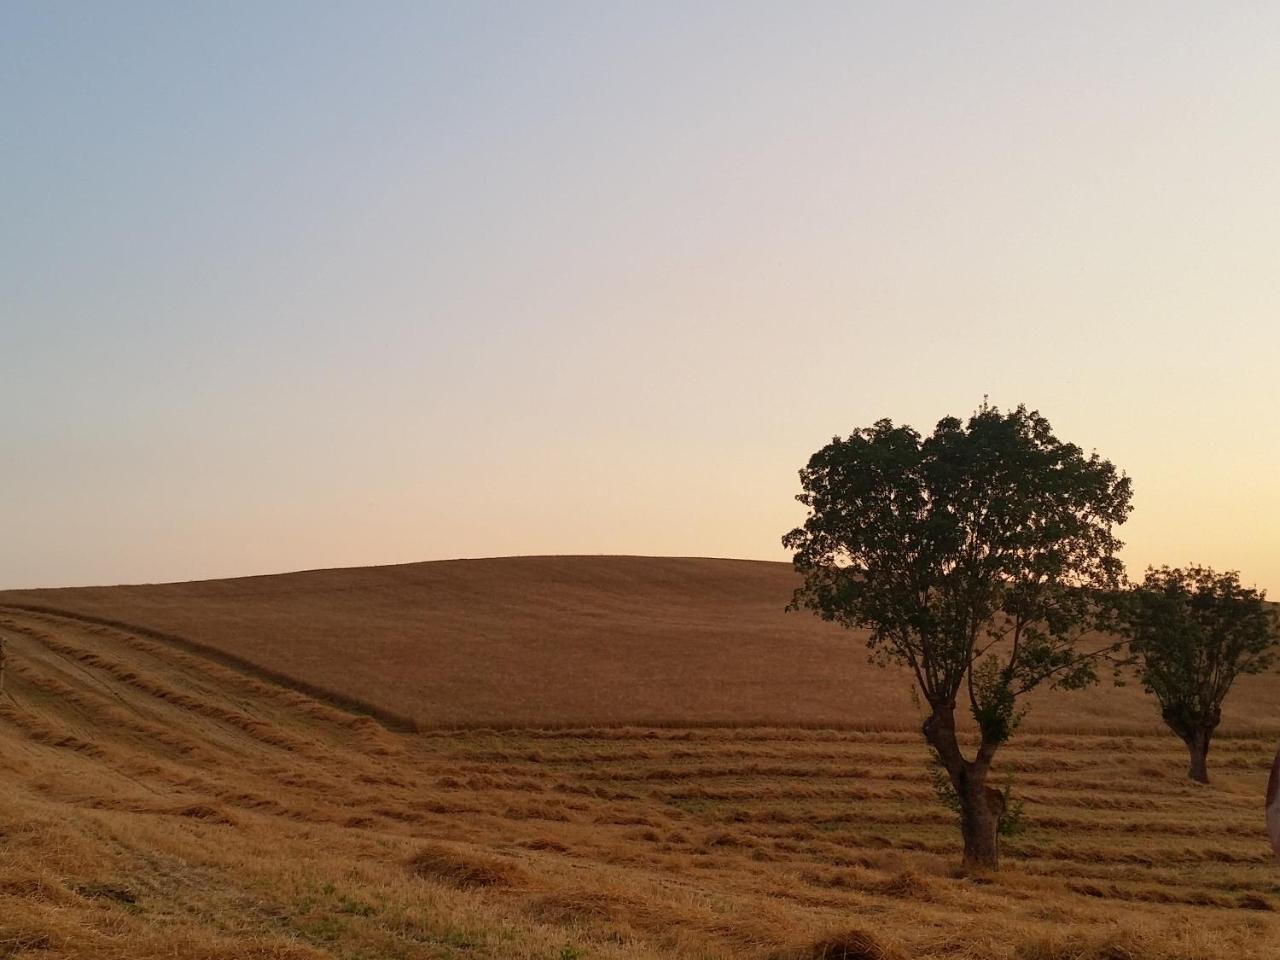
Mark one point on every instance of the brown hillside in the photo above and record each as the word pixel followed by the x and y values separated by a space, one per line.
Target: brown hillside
pixel 568 640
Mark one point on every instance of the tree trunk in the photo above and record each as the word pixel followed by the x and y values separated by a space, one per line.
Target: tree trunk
pixel 1195 728
pixel 981 808
pixel 1198 746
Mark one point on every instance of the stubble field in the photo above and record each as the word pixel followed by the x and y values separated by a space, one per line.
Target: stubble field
pixel 154 803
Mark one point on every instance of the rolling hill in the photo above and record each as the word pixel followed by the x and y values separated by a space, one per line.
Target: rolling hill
pixel 562 641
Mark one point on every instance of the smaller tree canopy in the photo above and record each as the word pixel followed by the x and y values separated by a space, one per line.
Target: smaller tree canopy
pixel 1191 633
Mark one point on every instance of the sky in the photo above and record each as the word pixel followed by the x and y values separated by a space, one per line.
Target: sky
pixel 294 285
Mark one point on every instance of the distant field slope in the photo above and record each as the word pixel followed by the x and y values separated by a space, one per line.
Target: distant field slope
pixel 568 640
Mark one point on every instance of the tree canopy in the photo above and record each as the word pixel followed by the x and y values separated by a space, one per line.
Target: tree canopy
pixel 971 556
pixel 1192 632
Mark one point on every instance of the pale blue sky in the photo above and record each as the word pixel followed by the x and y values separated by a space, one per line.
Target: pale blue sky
pixel 289 285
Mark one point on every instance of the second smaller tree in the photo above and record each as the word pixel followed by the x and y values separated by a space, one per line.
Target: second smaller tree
pixel 1191 633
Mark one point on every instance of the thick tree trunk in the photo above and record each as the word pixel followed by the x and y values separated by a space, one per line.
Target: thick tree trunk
pixel 1198 746
pixel 981 808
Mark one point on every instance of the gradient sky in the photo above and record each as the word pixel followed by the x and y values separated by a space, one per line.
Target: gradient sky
pixel 290 285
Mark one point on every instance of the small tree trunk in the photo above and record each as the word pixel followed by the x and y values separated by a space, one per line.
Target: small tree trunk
pixel 1198 746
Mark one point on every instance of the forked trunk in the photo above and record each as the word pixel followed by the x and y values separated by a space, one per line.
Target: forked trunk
pixel 981 808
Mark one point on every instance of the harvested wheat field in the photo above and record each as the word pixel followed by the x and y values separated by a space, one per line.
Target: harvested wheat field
pixel 155 803
pixel 570 640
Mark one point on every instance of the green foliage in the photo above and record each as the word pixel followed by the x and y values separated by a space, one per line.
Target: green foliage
pixel 1014 820
pixel 1191 633
pixel 942 786
pixel 971 555
pixel 994 705
pixel 1011 824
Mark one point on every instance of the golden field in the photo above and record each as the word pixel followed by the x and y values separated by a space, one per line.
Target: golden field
pixel 159 802
pixel 568 641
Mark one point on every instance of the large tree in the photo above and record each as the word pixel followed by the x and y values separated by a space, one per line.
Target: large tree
pixel 1191 632
pixel 971 556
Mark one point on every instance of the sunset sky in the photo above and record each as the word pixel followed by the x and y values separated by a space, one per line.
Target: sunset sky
pixel 292 285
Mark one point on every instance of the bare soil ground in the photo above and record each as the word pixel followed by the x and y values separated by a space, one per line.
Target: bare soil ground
pixel 572 641
pixel 155 803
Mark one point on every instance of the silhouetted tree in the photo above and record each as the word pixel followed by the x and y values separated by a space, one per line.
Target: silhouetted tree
pixel 970 556
pixel 1191 632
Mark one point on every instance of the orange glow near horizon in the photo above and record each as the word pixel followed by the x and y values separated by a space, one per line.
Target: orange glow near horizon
pixel 578 280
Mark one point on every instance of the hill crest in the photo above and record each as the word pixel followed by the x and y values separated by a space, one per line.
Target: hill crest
pixel 563 641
